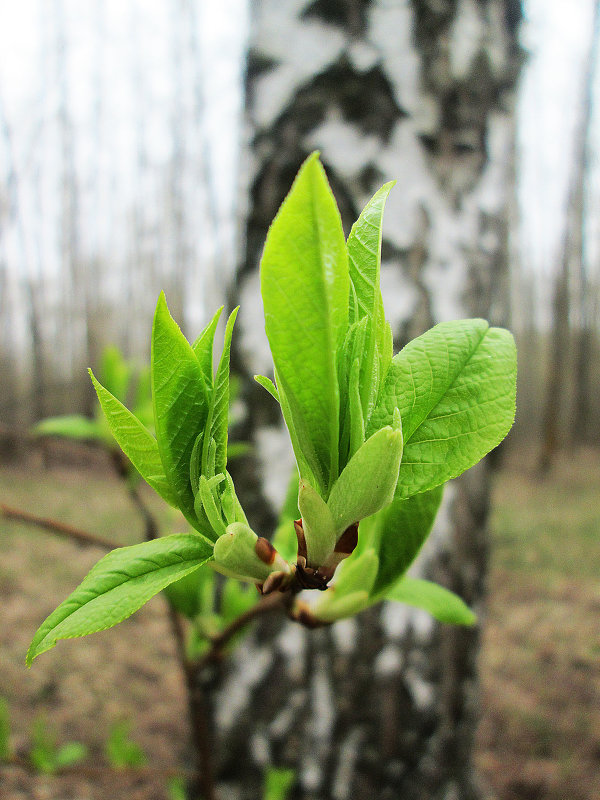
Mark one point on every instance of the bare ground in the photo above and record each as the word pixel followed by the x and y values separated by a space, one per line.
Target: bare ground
pixel 539 737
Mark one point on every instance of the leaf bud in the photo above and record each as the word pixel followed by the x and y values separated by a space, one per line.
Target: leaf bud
pixel 241 554
pixel 368 480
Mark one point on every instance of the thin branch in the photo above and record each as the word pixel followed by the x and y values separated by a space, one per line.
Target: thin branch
pixel 62 529
pixel 267 604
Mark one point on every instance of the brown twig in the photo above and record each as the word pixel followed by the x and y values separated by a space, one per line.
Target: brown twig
pixel 267 604
pixel 62 529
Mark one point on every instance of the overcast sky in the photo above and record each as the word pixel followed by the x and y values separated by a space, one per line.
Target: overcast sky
pixel 556 34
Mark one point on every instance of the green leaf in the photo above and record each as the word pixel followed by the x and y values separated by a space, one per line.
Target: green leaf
pixel 70 753
pixel 368 481
pixel 318 525
pixel 400 531
pixel 5 748
pixel 278 783
pixel 441 603
pixel 330 608
pixel 136 441
pixel 455 388
pixel 118 585
pixel 70 426
pixel 115 372
pixel 305 286
pixel 267 384
pixel 284 538
pixel 356 573
pixel 181 402
pixel 364 261
pixel 186 595
pixel 218 418
pixel 120 749
pixel 203 347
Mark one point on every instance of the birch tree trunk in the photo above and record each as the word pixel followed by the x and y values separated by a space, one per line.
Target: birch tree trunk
pixel 385 705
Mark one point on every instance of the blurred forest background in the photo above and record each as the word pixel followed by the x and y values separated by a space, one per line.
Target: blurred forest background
pixel 130 163
pixel 120 147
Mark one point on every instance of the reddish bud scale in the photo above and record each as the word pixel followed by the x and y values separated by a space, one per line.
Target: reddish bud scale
pixel 265 550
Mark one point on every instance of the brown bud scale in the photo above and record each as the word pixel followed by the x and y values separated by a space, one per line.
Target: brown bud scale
pixel 265 550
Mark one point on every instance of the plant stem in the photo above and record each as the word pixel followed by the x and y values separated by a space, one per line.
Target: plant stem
pixel 267 604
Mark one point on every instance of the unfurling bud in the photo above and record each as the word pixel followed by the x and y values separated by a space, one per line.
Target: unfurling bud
pixel 351 591
pixel 369 479
pixel 241 554
pixel 317 525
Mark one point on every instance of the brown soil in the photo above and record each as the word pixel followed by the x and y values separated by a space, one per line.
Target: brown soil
pixel 539 737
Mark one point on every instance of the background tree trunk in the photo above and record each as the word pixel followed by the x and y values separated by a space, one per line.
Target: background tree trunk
pixel 572 275
pixel 384 705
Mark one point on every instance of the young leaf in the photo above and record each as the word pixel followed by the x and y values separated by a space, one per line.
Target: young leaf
pixel 319 528
pixel 120 749
pixel 441 603
pixel 284 538
pixel 118 585
pixel 364 259
pixel 267 384
pixel 356 573
pixel 331 608
pixel 401 529
pixel 181 402
pixel 186 594
pixel 218 418
pixel 305 287
pixel 368 481
pixel 69 754
pixel 455 389
pixel 5 748
pixel 278 783
pixel 136 441
pixel 241 554
pixel 70 426
pixel 203 347
pixel 115 372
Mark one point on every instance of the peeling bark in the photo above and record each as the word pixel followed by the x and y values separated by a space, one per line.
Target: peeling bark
pixel 384 705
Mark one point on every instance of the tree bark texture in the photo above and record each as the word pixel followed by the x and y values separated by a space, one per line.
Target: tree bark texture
pixel 384 705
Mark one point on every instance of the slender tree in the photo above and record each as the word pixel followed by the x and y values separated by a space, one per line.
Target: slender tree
pixel 571 271
pixel 423 92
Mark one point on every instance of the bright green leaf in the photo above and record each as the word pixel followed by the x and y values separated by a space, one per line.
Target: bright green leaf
pixel 120 584
pixel 70 753
pixel 356 573
pixel 455 389
pixel 364 260
pixel 181 403
pixel 441 603
pixel 267 384
pixel 330 608
pixel 305 286
pixel 400 530
pixel 5 748
pixel 278 783
pixel 115 372
pixel 318 525
pixel 69 426
pixel 284 538
pixel 218 418
pixel 203 347
pixel 368 481
pixel 136 441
